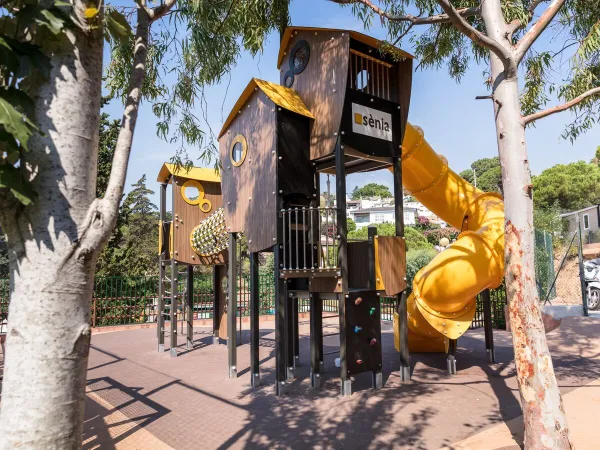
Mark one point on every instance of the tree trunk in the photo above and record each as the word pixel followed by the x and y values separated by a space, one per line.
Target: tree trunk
pixel 52 267
pixel 543 412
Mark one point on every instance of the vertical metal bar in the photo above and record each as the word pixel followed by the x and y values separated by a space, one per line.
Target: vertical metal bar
pixel 352 64
pixel 316 339
pixel 289 335
pixel 173 350
pixel 232 306
pixel 280 328
pixel 341 222
pixel 284 246
pixel 312 239
pixel 290 266
pixel 581 270
pixel 326 237
pixel 216 306
pixel 487 325
pixel 320 254
pixel 297 245
pixel 190 306
pixel 296 313
pixel 304 231
pixel 254 323
pixel 372 232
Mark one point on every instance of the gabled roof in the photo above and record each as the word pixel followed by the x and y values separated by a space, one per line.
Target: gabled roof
pixel 193 173
pixel 280 95
pixel 570 213
pixel 289 31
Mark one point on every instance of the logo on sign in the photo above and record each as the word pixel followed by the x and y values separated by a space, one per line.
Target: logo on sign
pixel 371 122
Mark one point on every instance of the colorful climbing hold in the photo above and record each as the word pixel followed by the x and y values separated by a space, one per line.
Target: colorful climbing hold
pixel 372 311
pixel 359 361
pixel 358 301
pixel 373 342
pixel 357 329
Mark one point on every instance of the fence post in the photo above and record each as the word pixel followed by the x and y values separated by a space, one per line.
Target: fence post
pixel 93 312
pixel 581 270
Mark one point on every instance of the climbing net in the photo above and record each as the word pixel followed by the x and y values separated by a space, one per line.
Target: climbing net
pixel 210 237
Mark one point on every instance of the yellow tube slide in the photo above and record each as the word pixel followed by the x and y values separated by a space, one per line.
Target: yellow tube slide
pixel 442 304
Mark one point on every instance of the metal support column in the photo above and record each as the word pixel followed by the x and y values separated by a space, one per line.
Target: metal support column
pixel 174 295
pixel 289 336
pixel 232 306
pixel 254 323
pixel 190 307
pixel 296 317
pixel 586 313
pixel 451 358
pixel 402 299
pixel 216 306
pixel 280 326
pixel 487 325
pixel 316 339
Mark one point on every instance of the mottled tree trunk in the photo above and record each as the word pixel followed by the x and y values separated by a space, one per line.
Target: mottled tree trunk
pixel 544 415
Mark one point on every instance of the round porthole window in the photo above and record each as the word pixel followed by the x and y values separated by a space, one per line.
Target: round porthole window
pixel 362 79
pixel 288 79
pixel 238 150
pixel 299 57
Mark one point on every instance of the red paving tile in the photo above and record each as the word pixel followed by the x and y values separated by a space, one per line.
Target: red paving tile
pixel 189 403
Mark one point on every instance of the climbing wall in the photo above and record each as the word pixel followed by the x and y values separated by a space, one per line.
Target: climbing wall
pixel 362 317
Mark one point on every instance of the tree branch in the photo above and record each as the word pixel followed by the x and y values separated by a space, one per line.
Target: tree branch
pixel 537 28
pixel 161 10
pixel 415 20
pixel 476 36
pixel 556 109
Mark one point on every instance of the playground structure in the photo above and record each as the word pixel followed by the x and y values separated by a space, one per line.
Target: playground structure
pixel 341 108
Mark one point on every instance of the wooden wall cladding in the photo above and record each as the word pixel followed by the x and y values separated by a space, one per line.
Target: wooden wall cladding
pixel 322 84
pixel 404 72
pixel 358 265
pixel 249 191
pixel 186 217
pixel 390 263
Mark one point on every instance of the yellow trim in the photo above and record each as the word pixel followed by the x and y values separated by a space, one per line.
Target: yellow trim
pixel 193 173
pixel 160 236
pixel 280 95
pixel 379 286
pixel 197 185
pixel 371 41
pixel 171 240
pixel 239 139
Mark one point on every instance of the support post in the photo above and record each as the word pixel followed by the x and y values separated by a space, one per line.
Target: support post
pixel 296 317
pixel 487 325
pixel 451 358
pixel 174 295
pixel 401 307
pixel 216 306
pixel 190 307
pixel 254 323
pixel 232 307
pixel 162 257
pixel 316 337
pixel 280 328
pixel 586 313
pixel 289 336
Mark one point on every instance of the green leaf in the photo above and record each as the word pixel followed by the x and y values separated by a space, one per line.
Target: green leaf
pixel 19 100
pixel 8 143
pixel 118 27
pixel 11 178
pixel 8 57
pixel 50 21
pixel 15 123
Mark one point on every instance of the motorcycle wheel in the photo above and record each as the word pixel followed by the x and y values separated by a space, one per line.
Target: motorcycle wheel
pixel 593 299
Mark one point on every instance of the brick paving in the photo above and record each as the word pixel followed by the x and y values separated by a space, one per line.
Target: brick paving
pixel 189 403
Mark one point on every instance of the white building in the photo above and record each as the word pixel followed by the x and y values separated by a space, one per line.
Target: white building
pixel 381 214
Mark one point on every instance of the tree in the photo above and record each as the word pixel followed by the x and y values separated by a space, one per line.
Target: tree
pixel 596 159
pixel 568 186
pixel 502 34
pixel 415 240
pixel 371 190
pixel 486 174
pixel 51 75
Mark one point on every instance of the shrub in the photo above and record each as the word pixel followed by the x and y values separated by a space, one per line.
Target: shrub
pixel 415 261
pixel 434 236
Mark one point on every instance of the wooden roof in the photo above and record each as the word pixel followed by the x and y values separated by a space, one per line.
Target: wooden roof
pixel 192 173
pixel 280 95
pixel 369 40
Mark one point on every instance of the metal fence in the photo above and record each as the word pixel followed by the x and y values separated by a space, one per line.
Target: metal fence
pixel 134 300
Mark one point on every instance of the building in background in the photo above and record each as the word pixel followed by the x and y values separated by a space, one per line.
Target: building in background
pixel 589 218
pixel 381 214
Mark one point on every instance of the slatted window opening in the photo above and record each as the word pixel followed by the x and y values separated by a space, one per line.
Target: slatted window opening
pixel 370 75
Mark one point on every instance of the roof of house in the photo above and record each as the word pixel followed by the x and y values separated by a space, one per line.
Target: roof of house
pixel 280 95
pixel 380 209
pixel 369 40
pixel 193 173
pixel 578 211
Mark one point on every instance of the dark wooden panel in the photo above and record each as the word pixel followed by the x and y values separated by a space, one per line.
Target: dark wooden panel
pixel 358 265
pixel 186 217
pixel 325 285
pixel 363 332
pixel 404 72
pixel 249 191
pixel 391 262
pixel 322 84
pixel 295 172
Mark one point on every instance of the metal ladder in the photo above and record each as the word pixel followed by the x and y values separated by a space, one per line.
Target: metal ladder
pixel 168 297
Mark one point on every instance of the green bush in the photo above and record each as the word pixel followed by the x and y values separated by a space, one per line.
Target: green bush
pixel 415 261
pixel 414 238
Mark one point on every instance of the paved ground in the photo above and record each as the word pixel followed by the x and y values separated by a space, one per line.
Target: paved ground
pixel 139 399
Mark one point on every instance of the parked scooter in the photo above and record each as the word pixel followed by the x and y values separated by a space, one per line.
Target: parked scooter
pixel 591 273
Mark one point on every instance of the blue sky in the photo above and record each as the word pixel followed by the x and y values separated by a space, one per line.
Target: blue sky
pixel 455 124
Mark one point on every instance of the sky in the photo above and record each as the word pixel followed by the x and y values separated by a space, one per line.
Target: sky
pixel 455 124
